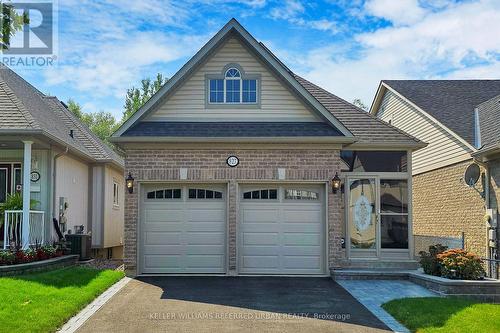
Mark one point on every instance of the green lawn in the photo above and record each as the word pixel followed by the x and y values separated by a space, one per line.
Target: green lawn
pixel 42 302
pixel 434 314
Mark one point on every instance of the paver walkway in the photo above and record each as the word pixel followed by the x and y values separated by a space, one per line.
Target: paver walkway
pixel 373 293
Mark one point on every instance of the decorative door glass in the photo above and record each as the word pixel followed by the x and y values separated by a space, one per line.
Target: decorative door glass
pixel 362 213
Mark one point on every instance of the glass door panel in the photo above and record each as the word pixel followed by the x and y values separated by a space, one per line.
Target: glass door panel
pixel 393 214
pixel 362 213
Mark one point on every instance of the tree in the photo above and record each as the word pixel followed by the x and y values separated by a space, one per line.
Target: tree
pixel 101 123
pixel 12 22
pixel 137 97
pixel 359 103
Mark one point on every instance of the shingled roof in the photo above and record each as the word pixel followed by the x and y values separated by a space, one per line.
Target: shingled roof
pixel 451 102
pixel 24 109
pixel 489 123
pixel 366 128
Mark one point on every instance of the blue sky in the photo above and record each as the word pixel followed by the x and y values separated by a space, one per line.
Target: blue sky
pixel 347 47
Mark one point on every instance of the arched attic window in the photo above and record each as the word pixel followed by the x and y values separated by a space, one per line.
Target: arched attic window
pixel 233 88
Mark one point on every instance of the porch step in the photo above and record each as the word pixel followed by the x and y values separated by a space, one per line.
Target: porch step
pixel 393 265
pixel 370 274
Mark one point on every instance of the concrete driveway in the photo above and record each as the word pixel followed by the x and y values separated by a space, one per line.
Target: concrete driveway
pixel 229 304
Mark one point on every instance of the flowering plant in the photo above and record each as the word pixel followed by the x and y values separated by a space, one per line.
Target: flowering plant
pixel 460 264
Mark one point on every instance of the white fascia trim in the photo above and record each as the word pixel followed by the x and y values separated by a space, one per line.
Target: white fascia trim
pixel 232 24
pixel 452 133
pixel 173 139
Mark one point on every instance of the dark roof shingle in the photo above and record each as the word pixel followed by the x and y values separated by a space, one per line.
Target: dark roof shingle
pixel 451 102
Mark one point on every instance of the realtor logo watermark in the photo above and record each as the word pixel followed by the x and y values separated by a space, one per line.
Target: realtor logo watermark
pixel 29 33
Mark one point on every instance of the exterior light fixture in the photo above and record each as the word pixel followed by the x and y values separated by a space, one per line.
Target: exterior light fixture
pixel 130 183
pixel 336 183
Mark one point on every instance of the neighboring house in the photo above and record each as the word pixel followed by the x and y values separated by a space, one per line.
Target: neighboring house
pixel 234 160
pixel 42 141
pixel 459 119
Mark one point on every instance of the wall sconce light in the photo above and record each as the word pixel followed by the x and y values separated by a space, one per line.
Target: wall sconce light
pixel 130 183
pixel 336 183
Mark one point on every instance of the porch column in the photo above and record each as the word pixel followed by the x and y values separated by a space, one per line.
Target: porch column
pixel 26 194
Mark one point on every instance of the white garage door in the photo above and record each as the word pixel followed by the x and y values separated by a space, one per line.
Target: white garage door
pixel 282 230
pixel 183 229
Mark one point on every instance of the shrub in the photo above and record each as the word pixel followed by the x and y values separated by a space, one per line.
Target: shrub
pixel 429 260
pixel 7 258
pixel 460 264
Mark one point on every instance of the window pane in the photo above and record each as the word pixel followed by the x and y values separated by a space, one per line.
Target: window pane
pixel 247 195
pixel 151 195
pixel 192 193
pixel 249 91
pixel 177 193
pixel 233 72
pixel 394 231
pixel 159 194
pixel 232 91
pixel 168 194
pixel 209 194
pixel 393 196
pixel 216 91
pixel 264 194
pixel 256 195
pixel 200 194
pixel 273 194
pixel 218 195
pixel 375 161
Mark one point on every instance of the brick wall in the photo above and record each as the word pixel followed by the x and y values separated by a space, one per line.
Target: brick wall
pixel 255 164
pixel 444 206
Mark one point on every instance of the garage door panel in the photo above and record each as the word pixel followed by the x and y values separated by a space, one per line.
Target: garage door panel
pixel 305 228
pixel 259 238
pixel 306 215
pixel 302 239
pixel 161 216
pixel 204 249
pixel 260 215
pixel 204 227
pixel 204 261
pixel 163 227
pixel 162 237
pixel 163 249
pixel 162 261
pixel 260 262
pixel 204 238
pixel 303 250
pixel 302 262
pixel 204 215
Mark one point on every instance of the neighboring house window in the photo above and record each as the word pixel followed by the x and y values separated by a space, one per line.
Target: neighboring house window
pixel 115 194
pixel 234 88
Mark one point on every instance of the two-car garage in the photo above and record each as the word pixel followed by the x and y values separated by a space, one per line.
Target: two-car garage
pixel 184 229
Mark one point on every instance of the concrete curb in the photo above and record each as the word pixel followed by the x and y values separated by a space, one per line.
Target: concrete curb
pixel 80 318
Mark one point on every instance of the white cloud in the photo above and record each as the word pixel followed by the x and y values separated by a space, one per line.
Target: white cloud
pixel 460 41
pixel 293 10
pixel 399 12
pixel 290 10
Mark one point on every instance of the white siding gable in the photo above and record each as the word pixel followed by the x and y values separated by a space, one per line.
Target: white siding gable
pixel 443 148
pixel 188 102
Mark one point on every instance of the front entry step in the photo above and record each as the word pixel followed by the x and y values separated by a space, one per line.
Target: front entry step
pixel 380 264
pixel 370 274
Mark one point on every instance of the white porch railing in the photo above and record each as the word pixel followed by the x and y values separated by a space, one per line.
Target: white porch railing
pixel 13 227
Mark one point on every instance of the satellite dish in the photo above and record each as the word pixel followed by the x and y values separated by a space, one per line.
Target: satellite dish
pixel 472 174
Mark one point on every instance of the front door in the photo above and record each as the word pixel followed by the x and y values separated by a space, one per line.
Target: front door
pixel 377 218
pixel 10 177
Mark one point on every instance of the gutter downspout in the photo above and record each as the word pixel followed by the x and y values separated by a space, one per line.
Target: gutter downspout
pixel 54 174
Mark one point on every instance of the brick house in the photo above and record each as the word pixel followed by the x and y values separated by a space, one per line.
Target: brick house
pixel 234 162
pixel 459 121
